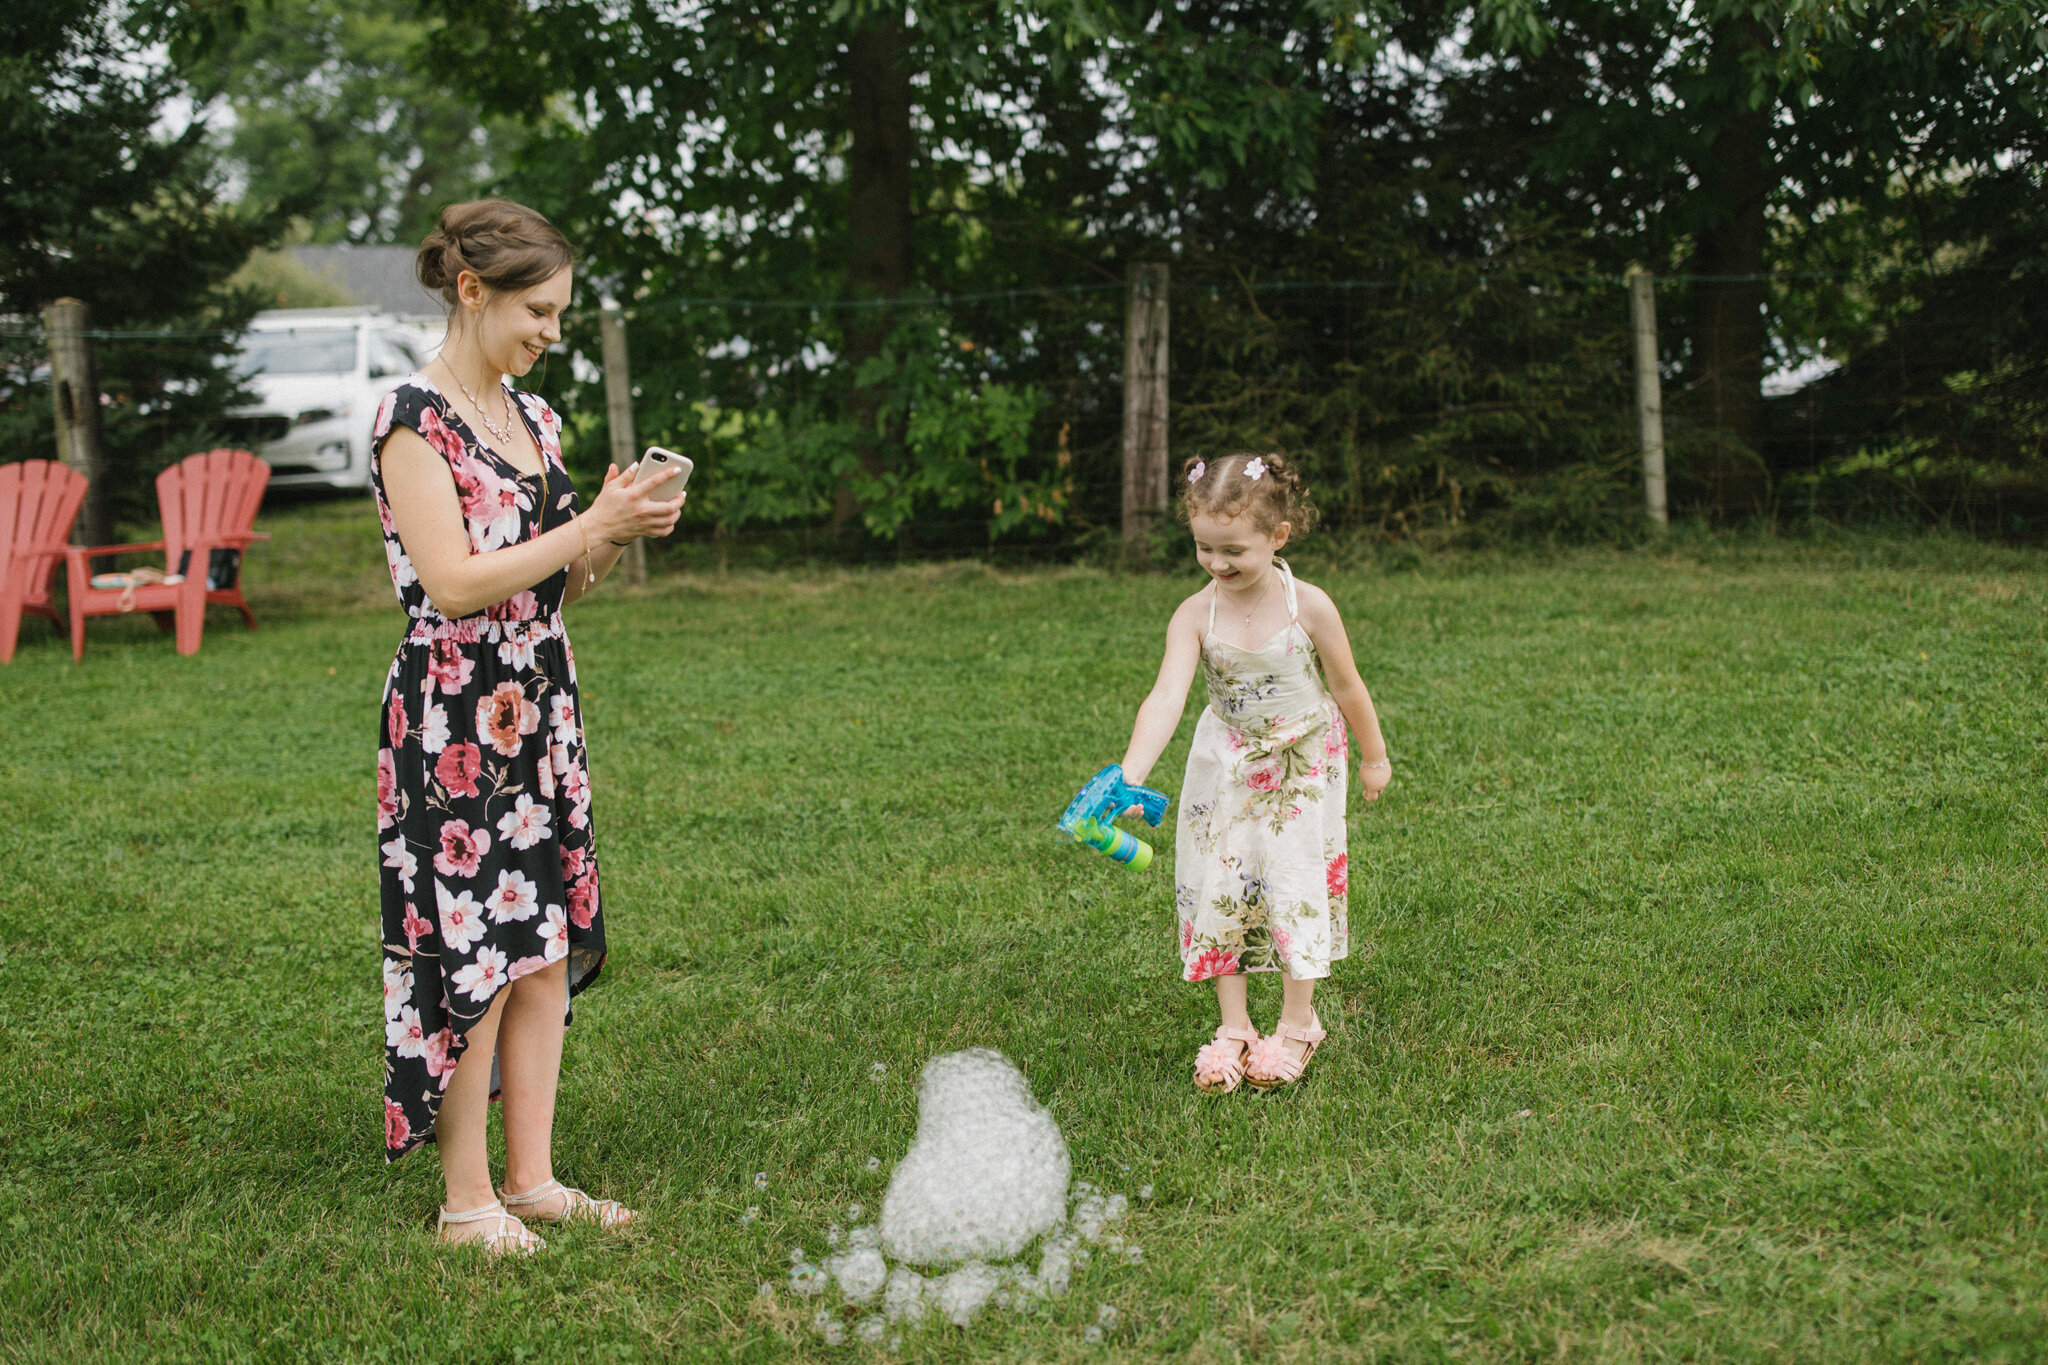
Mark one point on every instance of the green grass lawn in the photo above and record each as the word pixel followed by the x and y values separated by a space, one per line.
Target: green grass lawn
pixel 1696 1007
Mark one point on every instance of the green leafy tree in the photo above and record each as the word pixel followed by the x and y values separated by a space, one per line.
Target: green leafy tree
pixel 1729 138
pixel 337 110
pixel 96 203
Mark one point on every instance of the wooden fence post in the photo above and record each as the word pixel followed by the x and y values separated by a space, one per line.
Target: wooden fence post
pixel 1145 360
pixel 1642 307
pixel 618 409
pixel 75 393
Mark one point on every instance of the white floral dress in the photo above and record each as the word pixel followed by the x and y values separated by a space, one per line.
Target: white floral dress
pixel 1259 861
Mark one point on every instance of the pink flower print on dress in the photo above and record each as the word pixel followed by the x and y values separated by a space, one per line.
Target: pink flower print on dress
pixel 525 825
pixel 448 668
pixel 1283 944
pixel 554 934
pixel 562 722
pixel 1187 934
pixel 1262 779
pixel 462 919
pixel 434 728
pixel 397 855
pixel 416 928
pixel 387 790
pixel 395 722
pixel 396 1129
pixel 1337 876
pixel 481 979
pixel 505 716
pixel 458 766
pixel 520 606
pixel 583 902
pixel 380 428
pixel 441 436
pixel 516 898
pixel 572 864
pixel 404 1035
pixel 577 787
pixel 440 1066
pixel 1335 737
pixel 525 966
pixel 1212 962
pixel 397 986
pixel 518 652
pixel 461 849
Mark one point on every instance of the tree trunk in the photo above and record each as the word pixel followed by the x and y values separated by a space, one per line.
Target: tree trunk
pixel 878 220
pixel 1729 331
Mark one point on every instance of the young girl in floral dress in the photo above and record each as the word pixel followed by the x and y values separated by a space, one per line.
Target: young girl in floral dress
pixel 1259 863
pixel 492 917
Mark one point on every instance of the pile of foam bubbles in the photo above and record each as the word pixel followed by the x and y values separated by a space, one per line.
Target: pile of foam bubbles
pixel 986 1177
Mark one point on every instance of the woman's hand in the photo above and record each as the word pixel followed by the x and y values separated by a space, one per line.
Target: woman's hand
pixel 624 510
pixel 1375 779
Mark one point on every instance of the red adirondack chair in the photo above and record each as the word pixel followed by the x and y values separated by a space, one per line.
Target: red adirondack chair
pixel 39 499
pixel 208 502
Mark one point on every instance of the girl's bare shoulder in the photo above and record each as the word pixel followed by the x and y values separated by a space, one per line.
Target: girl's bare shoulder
pixel 1316 605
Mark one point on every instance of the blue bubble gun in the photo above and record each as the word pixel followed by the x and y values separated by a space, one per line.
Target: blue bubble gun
pixel 1088 819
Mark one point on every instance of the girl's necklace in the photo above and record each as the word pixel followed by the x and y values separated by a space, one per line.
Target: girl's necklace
pixel 1260 601
pixel 502 434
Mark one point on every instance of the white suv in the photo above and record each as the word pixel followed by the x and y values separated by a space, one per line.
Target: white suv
pixel 319 374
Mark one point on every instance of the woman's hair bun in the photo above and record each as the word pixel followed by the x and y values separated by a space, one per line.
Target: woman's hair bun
pixel 508 245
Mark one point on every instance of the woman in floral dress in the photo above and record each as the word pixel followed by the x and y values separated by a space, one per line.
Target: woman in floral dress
pixel 1260 865
pixel 491 911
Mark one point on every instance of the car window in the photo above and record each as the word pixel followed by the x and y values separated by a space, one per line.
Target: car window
pixel 323 350
pixel 390 355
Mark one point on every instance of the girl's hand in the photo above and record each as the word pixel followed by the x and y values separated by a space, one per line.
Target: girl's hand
pixel 1375 780
pixel 623 510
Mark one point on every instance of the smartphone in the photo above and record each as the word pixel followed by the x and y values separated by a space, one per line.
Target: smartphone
pixel 657 465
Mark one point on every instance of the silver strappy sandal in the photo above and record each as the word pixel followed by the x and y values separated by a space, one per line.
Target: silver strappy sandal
pixel 509 1234
pixel 606 1213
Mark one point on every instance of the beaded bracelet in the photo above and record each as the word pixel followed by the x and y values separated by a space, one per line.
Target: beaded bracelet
pixel 1383 763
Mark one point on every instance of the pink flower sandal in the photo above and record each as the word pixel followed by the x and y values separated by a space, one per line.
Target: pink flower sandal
pixel 1270 1065
pixel 507 1234
pixel 1219 1065
pixel 576 1205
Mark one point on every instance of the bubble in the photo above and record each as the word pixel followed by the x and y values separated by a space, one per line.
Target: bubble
pixel 961 1294
pixel 766 1291
pixel 807 1279
pixel 903 1297
pixel 1144 1191
pixel 1105 1317
pixel 871 1329
pixel 864 1237
pixel 1134 1254
pixel 796 1256
pixel 829 1327
pixel 874 1165
pixel 860 1273
pixel 987 1173
pixel 877 1071
pixel 854 1211
pixel 1093 1336
pixel 896 1342
pixel 761 1181
pixel 832 1235
pixel 753 1212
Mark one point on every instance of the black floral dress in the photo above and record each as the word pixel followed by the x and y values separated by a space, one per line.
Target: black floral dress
pixel 483 795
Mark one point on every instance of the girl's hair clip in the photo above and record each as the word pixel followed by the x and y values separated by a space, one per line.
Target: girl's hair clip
pixel 1200 468
pixel 1254 470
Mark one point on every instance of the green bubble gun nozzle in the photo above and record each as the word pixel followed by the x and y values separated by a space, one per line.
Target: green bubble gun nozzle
pixel 1088 819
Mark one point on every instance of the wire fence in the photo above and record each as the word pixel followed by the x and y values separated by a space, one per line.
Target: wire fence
pixel 1455 402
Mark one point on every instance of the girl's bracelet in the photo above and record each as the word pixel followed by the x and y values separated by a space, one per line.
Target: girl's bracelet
pixel 1383 763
